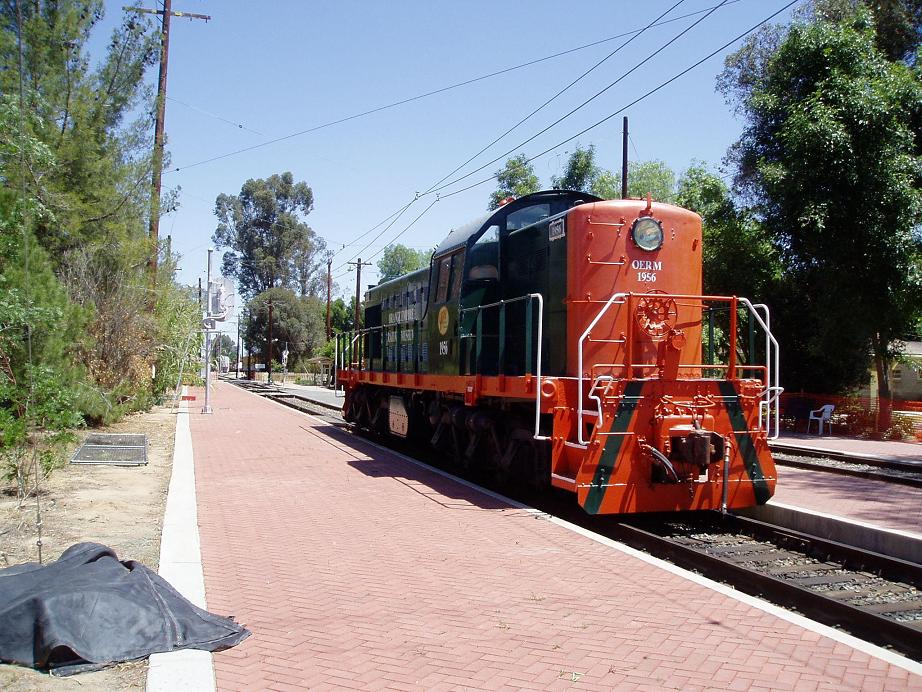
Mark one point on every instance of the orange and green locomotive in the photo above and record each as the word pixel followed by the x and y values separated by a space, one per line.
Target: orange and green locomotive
pixel 564 340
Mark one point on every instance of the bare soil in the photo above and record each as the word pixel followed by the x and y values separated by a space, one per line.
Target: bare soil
pixel 119 506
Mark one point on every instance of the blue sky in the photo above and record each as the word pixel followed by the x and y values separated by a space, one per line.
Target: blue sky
pixel 280 67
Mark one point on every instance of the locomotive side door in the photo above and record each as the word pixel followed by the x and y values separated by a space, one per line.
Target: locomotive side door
pixel 442 318
pixel 525 270
pixel 480 292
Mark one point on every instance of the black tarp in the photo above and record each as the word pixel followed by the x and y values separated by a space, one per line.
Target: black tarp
pixel 88 610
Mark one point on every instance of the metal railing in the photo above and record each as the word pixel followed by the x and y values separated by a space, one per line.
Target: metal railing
pixel 769 419
pixel 530 351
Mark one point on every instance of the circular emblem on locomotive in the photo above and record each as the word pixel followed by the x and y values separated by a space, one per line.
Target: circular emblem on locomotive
pixel 443 320
pixel 656 315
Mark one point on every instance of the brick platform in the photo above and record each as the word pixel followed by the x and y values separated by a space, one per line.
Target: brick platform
pixel 357 569
pixel 883 504
pixel 906 451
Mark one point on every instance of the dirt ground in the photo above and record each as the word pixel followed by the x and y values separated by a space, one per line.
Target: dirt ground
pixel 119 506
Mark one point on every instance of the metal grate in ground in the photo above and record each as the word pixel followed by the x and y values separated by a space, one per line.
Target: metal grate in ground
pixel 124 449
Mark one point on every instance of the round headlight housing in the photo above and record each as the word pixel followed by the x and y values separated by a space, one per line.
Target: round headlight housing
pixel 647 233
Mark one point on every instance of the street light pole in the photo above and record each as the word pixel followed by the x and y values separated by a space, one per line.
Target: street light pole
pixel 209 325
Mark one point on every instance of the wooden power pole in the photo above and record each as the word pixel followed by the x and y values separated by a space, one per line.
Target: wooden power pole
pixel 157 163
pixel 358 291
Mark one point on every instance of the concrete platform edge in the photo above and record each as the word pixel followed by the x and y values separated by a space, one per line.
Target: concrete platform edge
pixel 873 650
pixel 899 544
pixel 181 565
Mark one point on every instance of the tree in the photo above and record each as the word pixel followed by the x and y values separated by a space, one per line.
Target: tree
pixel 581 172
pixel 737 254
pixel 643 177
pixel 342 315
pixel 397 260
pixel 516 178
pixel 95 187
pixel 224 345
pixel 269 244
pixel 297 321
pixel 74 167
pixel 898 22
pixel 831 158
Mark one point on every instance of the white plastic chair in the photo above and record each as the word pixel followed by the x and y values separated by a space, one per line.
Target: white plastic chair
pixel 821 415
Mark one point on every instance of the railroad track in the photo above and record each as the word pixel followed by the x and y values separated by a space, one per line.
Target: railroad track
pixel 888 470
pixel 874 597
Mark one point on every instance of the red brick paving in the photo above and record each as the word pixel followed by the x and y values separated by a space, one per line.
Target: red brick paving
pixel 880 503
pixel 355 569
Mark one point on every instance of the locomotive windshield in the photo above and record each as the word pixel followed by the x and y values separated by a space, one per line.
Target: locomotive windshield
pixel 527 216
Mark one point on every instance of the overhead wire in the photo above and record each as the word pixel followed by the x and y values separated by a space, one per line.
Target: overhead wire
pixel 433 92
pixel 239 126
pixel 655 22
pixel 637 100
pixel 589 100
pixel 561 92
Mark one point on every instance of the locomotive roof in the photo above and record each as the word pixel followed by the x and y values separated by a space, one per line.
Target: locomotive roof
pixel 459 236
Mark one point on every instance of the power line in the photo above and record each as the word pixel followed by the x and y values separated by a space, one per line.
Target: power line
pixel 434 186
pixel 559 93
pixel 396 215
pixel 239 126
pixel 434 92
pixel 409 226
pixel 637 100
pixel 587 101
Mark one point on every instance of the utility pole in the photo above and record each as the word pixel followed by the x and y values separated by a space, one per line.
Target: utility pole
pixel 624 159
pixel 358 290
pixel 157 163
pixel 329 294
pixel 237 363
pixel 208 323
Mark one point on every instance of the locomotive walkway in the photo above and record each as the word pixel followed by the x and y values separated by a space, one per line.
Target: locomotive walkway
pixel 356 568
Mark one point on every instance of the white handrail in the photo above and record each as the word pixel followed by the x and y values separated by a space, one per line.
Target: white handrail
pixel 540 299
pixel 773 387
pixel 579 366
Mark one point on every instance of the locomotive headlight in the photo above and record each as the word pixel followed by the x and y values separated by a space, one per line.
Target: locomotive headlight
pixel 647 233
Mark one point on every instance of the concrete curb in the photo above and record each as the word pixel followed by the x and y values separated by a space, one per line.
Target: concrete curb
pixel 900 544
pixel 181 565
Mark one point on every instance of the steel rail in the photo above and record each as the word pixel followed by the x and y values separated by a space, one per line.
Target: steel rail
pixel 867 625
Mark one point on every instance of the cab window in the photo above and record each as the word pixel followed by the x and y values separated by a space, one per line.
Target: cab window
pixel 483 261
pixel 441 292
pixel 527 216
pixel 449 284
pixel 457 267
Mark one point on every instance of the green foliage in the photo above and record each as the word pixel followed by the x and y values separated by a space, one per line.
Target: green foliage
pixel 898 22
pixel 178 337
pixel 738 258
pixel 516 179
pixel 643 177
pixel 80 116
pixel 298 321
pixel 901 428
pixel 224 345
pixel 831 159
pixel 342 316
pixel 397 260
pixel 269 244
pixel 581 172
